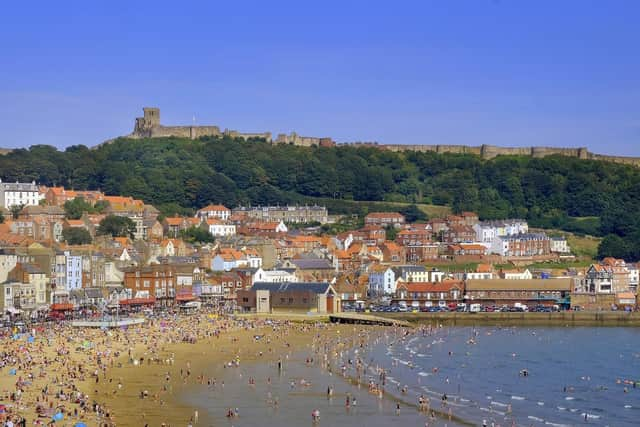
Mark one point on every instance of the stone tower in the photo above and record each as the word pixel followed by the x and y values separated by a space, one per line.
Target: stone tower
pixel 145 124
pixel 152 116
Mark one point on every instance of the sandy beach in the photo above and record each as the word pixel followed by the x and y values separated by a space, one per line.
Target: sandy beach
pixel 132 376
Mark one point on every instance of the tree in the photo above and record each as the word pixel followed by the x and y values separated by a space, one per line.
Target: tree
pixel 196 235
pixel 613 246
pixel 412 213
pixel 74 208
pixel 117 226
pixel 391 232
pixel 100 206
pixel 15 211
pixel 76 236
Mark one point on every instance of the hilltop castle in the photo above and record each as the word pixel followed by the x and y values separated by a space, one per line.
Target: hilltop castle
pixel 149 126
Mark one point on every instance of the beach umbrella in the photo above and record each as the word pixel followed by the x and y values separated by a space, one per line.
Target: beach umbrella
pixel 79 425
pixel 58 416
pixel 30 339
pixel 12 372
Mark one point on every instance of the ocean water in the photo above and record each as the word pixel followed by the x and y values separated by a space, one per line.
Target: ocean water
pixel 576 376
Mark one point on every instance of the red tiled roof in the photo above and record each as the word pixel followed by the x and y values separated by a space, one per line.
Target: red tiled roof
pixel 215 208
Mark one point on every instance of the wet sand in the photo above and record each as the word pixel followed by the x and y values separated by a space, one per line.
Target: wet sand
pixel 178 367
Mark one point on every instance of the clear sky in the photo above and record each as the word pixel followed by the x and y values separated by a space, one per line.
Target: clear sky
pixel 503 72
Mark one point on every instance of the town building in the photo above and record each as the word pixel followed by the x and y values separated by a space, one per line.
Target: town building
pixel 287 214
pixel 382 280
pixel 559 245
pixel 385 219
pixel 483 272
pixel 19 194
pixel 487 231
pixel 218 228
pixel 302 297
pixel 521 245
pixel 598 279
pixel 516 274
pixel 499 292
pixel 273 276
pixel 214 211
pixel 428 294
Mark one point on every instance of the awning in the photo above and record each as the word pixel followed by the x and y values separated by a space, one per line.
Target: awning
pixel 185 297
pixel 138 301
pixel 62 306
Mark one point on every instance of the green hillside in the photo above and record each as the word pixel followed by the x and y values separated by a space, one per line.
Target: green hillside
pixel 180 175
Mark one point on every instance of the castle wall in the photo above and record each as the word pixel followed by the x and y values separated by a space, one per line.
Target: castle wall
pixel 191 132
pixel 149 126
pixel 248 135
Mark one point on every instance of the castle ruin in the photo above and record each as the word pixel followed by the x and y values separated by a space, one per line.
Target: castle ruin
pixel 149 126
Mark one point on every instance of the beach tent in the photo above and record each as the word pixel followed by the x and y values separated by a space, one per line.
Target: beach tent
pixel 79 425
pixel 58 416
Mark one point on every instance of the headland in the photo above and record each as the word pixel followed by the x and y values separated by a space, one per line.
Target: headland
pixel 149 126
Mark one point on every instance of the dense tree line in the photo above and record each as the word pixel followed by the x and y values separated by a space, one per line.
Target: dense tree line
pixel 179 175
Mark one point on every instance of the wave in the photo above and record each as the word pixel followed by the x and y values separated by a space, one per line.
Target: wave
pixel 493 411
pixel 531 417
pixel 517 398
pixel 504 405
pixel 592 416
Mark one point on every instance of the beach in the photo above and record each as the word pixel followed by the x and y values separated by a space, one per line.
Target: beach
pixel 135 376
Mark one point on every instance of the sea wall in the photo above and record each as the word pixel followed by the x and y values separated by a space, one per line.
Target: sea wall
pixel 564 318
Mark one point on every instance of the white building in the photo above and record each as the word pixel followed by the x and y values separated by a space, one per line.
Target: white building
pixel 214 211
pixel 218 228
pixel 8 261
pixel 516 274
pixel 73 276
pixel 19 194
pixel 634 277
pixel 273 276
pixel 382 280
pixel 559 245
pixel 487 231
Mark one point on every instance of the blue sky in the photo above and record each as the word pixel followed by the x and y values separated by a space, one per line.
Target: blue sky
pixel 503 72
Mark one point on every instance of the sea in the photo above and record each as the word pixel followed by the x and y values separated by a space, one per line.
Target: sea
pixel 496 376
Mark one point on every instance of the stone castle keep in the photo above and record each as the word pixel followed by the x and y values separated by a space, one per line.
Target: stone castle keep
pixel 149 126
